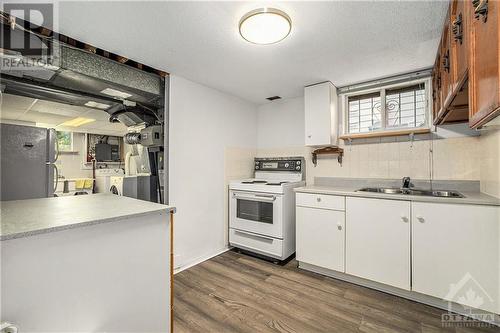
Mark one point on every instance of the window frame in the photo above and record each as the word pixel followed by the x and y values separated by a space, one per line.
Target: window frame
pixel 384 130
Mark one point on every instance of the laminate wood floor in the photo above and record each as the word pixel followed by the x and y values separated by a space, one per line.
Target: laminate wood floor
pixel 238 293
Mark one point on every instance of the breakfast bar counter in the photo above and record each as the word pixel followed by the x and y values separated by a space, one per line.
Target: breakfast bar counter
pixel 23 218
pixel 89 263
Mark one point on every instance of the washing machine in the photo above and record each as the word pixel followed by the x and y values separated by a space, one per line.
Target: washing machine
pixel 102 178
pixel 123 185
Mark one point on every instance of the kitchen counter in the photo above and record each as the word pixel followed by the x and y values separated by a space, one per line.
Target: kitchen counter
pixel 23 218
pixel 54 250
pixel 471 197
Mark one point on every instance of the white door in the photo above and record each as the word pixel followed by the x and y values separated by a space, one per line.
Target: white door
pixel 378 240
pixel 320 237
pixel 456 251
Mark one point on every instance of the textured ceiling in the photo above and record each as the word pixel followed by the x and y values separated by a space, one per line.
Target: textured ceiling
pixel 341 41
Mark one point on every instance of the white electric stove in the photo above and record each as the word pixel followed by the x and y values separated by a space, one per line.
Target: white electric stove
pixel 262 209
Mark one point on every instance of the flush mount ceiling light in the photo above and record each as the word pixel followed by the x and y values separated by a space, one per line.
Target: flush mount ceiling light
pixel 265 26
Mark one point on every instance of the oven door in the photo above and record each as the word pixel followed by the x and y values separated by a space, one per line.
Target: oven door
pixel 260 213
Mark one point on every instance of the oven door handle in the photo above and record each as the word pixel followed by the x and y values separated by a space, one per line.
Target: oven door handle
pixel 256 197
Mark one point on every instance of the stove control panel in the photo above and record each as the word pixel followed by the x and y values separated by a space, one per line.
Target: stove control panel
pixel 270 164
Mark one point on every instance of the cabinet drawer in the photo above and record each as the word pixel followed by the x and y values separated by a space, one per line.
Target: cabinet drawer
pixel 253 242
pixel 325 201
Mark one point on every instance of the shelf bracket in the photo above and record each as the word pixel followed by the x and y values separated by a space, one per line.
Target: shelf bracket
pixel 327 151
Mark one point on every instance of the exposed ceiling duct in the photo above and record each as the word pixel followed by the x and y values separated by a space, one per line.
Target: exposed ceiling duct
pixel 79 77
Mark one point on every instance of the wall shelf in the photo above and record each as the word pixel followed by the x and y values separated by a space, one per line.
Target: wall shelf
pixel 327 151
pixel 385 133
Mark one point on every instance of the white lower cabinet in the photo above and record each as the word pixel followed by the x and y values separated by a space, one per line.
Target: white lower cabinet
pixel 320 237
pixel 447 251
pixel 456 253
pixel 378 240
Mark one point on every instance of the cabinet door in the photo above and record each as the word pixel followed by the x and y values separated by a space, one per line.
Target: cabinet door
pixel 378 240
pixel 446 73
pixel 436 88
pixel 320 105
pixel 320 237
pixel 459 41
pixel 457 246
pixel 484 65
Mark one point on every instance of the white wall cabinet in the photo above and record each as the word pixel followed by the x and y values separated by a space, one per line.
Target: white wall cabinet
pixel 321 114
pixel 456 249
pixel 378 240
pixel 320 237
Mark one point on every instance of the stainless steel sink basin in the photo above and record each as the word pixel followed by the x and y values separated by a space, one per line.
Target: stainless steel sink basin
pixel 388 190
pixel 391 190
pixel 437 193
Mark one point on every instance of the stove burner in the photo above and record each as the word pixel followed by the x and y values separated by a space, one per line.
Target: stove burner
pixel 254 182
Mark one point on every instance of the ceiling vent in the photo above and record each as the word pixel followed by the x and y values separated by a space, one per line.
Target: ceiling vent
pixel 272 98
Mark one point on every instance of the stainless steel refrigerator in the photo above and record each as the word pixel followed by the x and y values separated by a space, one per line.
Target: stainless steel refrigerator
pixel 27 162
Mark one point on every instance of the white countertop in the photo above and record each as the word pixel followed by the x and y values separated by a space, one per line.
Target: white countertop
pixel 474 198
pixel 22 218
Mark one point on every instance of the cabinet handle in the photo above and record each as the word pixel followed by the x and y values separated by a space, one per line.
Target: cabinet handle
pixel 420 219
pixel 339 225
pixel 309 136
pixel 446 61
pixel 480 8
pixel 318 199
pixel 458 28
pixel 404 219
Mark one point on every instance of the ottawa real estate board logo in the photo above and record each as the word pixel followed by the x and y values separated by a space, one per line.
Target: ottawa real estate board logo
pixel 465 300
pixel 24 40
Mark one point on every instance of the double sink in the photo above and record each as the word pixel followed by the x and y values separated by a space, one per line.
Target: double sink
pixel 408 191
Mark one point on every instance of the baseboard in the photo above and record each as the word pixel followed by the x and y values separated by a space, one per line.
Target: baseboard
pixel 199 260
pixel 411 295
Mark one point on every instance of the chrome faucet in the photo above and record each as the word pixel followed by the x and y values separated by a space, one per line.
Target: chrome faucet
pixel 406 183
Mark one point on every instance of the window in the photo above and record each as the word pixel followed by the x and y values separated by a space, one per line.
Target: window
pixel 405 107
pixel 365 113
pixel 388 108
pixel 65 141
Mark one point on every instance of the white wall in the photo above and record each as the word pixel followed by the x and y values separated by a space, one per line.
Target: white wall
pixel 281 122
pixel 204 125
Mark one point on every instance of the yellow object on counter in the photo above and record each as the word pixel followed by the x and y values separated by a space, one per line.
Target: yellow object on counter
pixel 88 184
pixel 79 183
pixel 84 183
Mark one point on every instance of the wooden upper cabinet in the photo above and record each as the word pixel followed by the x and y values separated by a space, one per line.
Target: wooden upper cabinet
pixel 446 73
pixel 436 87
pixel 459 20
pixel 484 62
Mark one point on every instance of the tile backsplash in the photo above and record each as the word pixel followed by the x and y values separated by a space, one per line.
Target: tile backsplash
pixel 490 162
pixel 445 159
